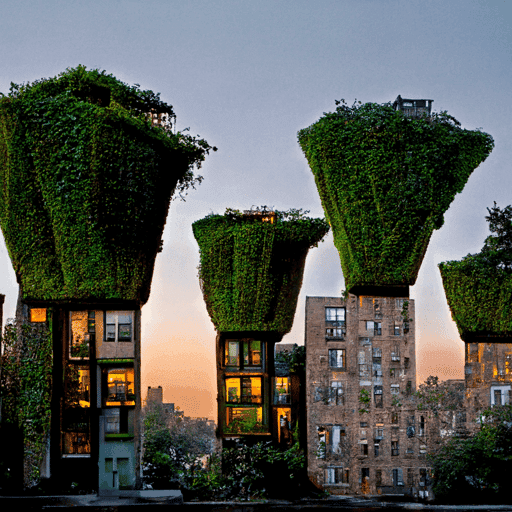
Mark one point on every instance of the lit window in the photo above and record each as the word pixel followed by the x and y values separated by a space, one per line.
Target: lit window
pixel 243 390
pixel 282 390
pixel 38 314
pixel 251 351
pixel 119 387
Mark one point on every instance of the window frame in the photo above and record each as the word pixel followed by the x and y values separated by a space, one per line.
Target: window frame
pixel 117 324
pixel 336 358
pixel 242 343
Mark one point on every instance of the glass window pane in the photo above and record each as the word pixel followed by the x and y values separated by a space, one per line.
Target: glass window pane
pixel 232 353
pixel 233 390
pixel 110 334
pixel 125 332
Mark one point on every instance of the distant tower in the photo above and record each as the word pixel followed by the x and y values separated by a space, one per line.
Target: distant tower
pixel 155 395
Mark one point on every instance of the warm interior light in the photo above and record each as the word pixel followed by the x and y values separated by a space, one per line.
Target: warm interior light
pixel 38 314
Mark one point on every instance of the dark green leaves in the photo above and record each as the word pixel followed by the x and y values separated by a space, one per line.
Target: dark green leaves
pixel 385 181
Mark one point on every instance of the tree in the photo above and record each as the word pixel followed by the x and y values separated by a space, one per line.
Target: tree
pixel 498 245
pixel 172 445
pixel 477 468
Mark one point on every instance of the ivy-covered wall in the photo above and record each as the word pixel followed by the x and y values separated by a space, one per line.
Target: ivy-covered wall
pixel 479 297
pixel 479 287
pixel 251 271
pixel 385 181
pixel 85 184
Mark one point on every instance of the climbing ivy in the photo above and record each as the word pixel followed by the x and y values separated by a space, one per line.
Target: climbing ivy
pixel 251 271
pixel 25 390
pixel 479 287
pixel 86 182
pixel 385 181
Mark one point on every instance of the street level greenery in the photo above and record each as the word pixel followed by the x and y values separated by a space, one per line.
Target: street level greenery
pixel 479 287
pixel 477 469
pixel 25 393
pixel 88 165
pixel 385 181
pixel 179 453
pixel 251 270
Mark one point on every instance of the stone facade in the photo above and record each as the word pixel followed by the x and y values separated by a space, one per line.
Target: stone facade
pixel 488 376
pixel 365 434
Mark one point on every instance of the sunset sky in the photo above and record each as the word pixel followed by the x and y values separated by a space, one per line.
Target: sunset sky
pixel 247 76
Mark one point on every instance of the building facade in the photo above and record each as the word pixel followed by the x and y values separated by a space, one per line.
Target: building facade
pixel 365 434
pixel 94 437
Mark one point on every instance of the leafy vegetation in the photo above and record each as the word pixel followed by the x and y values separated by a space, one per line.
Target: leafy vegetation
pixel 434 396
pixel 479 287
pixel 87 179
pixel 477 469
pixel 385 181
pixel 174 457
pixel 295 358
pixel 251 270
pixel 25 392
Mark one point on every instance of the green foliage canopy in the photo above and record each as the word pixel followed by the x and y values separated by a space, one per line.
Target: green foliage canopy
pixel 479 287
pixel 251 271
pixel 85 184
pixel 385 181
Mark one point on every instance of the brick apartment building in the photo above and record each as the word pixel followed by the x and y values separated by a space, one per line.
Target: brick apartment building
pixel 365 434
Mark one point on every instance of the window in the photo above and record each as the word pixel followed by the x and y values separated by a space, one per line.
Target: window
pixel 282 390
pixel 336 475
pixel 322 442
pixel 376 449
pixel 243 390
pixel 408 388
pixel 392 373
pixel 245 353
pixel 336 393
pixel 363 371
pixel 337 358
pixel 334 323
pixel 377 394
pixel 379 431
pixel 396 329
pixel 398 479
pixel 364 450
pixel 118 386
pixel 82 332
pixel 395 449
pixel 374 328
pixel 244 419
pixel 335 317
pixel 500 395
pixel 334 333
pixel 119 326
pixel 394 418
pixel 378 477
pixel 421 429
pixel 338 431
pixel 411 426
pixel 395 353
pixel 406 364
pixel 395 389
pixel 37 315
pixel 75 432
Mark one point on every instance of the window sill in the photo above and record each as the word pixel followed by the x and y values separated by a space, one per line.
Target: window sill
pixel 118 436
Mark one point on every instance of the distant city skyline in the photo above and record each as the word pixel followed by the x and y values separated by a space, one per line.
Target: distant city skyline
pixel 247 77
